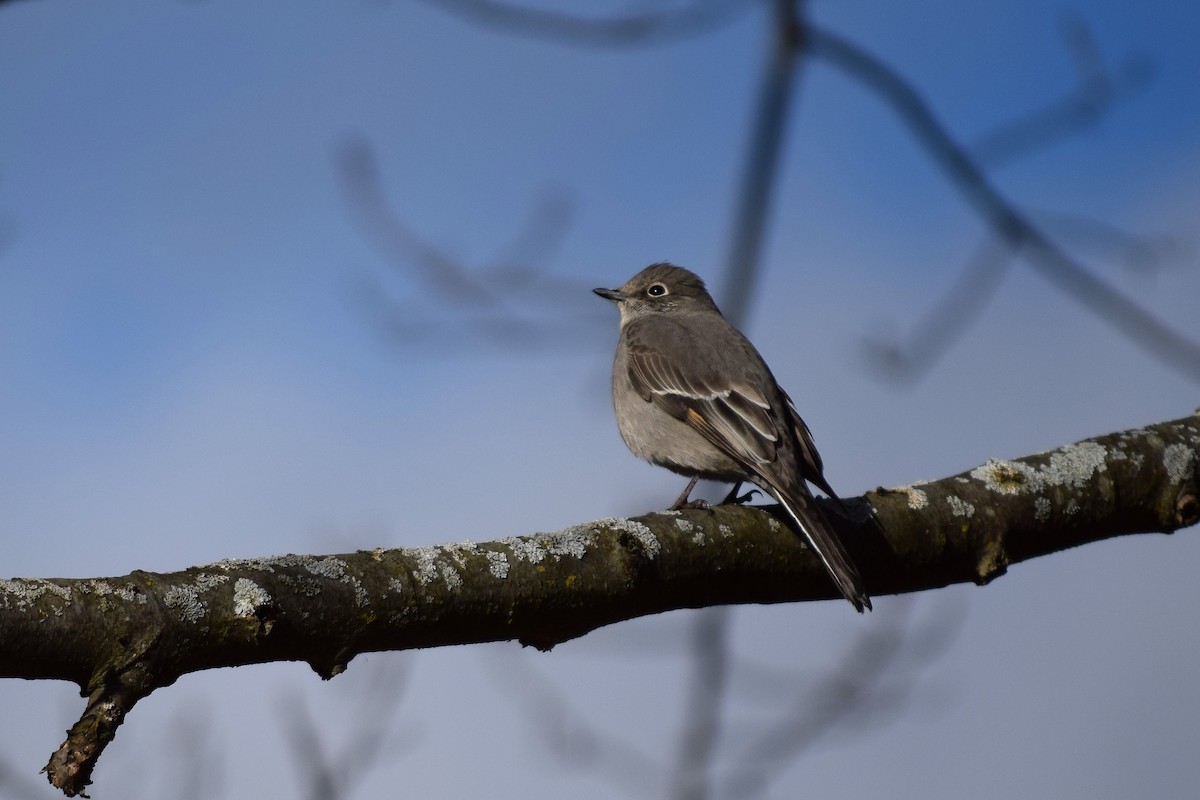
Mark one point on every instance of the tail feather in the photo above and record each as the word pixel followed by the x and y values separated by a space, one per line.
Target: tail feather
pixel 812 523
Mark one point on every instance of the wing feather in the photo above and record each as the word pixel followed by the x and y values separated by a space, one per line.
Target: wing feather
pixel 733 415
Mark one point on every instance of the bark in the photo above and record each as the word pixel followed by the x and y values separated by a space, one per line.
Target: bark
pixel 121 638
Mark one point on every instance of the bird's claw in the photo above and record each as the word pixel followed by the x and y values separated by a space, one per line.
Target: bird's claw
pixel 735 499
pixel 703 505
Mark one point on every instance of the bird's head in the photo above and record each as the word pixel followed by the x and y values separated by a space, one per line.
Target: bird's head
pixel 658 289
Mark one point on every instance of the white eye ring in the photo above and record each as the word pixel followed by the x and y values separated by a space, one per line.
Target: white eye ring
pixel 656 290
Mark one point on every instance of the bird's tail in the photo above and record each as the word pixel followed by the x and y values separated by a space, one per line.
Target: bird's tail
pixel 820 536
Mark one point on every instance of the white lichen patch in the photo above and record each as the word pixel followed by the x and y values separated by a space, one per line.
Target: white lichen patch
pixel 450 576
pixel 248 597
pixel 726 531
pixel 497 564
pixel 645 537
pixel 1072 466
pixel 960 507
pixel 1178 460
pixel 332 568
pixel 572 542
pixel 1072 508
pixel 1005 477
pixel 396 585
pixel 460 551
pixel 103 588
pixel 108 592
pixel 186 598
pixel 431 562
pixel 774 525
pixel 336 569
pixel 22 594
pixel 425 559
pixel 1042 507
pixel 684 525
pixel 265 564
pixel 917 498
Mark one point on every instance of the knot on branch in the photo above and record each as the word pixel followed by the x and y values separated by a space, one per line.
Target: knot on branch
pixel 1187 510
pixel 991 560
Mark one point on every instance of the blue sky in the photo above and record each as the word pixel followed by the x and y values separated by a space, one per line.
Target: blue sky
pixel 194 365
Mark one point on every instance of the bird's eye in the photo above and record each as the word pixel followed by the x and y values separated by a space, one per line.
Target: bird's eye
pixel 656 290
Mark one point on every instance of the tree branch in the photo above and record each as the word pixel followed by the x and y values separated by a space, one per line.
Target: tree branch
pixel 121 638
pixel 632 30
pixel 1007 222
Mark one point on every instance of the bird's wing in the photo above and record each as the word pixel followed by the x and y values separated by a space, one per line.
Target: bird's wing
pixel 810 459
pixel 732 414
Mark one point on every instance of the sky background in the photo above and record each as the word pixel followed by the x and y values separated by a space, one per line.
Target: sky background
pixel 204 354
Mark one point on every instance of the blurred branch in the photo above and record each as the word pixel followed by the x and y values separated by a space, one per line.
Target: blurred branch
pixel 331 776
pixel 1096 92
pixel 631 30
pixel 701 726
pixel 867 688
pixel 1097 89
pixel 200 770
pixel 121 639
pixel 456 303
pixel 565 731
pixel 15 786
pixel 775 98
pixel 1136 253
pixel 1007 222
pixel 424 262
pixel 945 323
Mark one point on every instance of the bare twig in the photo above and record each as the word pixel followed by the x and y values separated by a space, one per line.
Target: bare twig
pixel 632 30
pixel 775 98
pixel 1007 222
pixel 332 775
pixel 702 722
pixel 1143 254
pixel 945 323
pixel 441 274
pixel 1097 89
pixel 867 688
pixel 565 730
pixel 511 302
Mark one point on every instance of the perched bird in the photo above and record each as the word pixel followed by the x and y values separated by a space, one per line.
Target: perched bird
pixel 693 395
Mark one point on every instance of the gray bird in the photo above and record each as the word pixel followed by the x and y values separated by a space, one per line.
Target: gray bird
pixel 693 395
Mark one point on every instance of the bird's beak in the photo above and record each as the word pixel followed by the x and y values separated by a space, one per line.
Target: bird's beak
pixel 616 295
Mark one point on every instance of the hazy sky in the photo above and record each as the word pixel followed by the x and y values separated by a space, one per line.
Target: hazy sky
pixel 204 353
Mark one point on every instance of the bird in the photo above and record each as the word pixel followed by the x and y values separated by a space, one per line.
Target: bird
pixel 692 394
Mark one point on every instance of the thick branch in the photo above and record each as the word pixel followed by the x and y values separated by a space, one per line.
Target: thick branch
pixel 122 638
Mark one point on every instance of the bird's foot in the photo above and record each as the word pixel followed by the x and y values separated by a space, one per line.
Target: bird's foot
pixel 686 504
pixel 742 499
pixel 733 498
pixel 682 501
